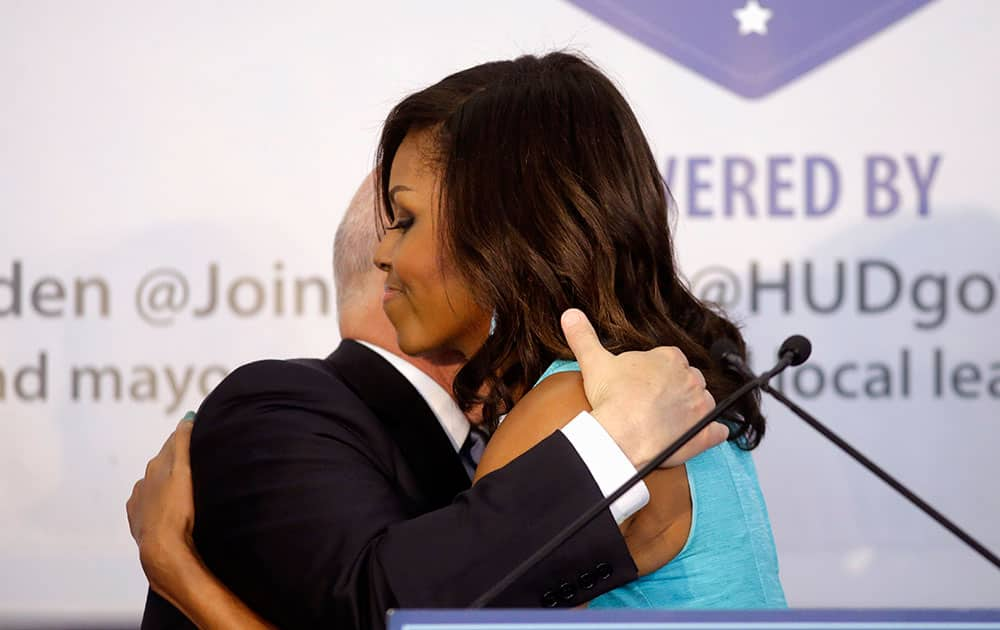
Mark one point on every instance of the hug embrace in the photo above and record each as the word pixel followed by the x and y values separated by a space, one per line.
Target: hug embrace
pixel 463 422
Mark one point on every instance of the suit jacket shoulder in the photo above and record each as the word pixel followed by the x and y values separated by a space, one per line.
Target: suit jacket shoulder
pixel 353 394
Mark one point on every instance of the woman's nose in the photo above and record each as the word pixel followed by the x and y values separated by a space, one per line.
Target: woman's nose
pixel 382 258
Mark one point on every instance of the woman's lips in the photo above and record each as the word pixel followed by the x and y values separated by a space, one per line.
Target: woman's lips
pixel 389 293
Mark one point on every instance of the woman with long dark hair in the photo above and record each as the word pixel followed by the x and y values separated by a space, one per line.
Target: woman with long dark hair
pixel 533 185
pixel 510 192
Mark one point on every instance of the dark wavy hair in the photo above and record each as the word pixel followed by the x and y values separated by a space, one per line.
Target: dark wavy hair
pixel 551 199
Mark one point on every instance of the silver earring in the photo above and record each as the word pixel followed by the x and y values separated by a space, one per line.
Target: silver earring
pixel 493 322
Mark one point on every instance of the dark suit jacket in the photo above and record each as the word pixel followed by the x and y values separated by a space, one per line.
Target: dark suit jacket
pixel 326 492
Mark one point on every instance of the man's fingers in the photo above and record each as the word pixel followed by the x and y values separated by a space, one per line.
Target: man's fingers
pixel 714 434
pixel 709 401
pixel 717 434
pixel 699 376
pixel 671 354
pixel 582 339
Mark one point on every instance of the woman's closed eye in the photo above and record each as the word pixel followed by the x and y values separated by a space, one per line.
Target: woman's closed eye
pixel 401 223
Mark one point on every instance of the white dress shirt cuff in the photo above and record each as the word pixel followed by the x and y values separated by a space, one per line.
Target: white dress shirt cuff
pixel 607 463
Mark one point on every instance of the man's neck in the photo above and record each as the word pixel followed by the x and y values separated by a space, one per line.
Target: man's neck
pixel 441 370
pixel 439 399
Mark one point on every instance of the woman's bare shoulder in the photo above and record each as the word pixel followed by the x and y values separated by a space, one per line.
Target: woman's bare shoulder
pixel 546 408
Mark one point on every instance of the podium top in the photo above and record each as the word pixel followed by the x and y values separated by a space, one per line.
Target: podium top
pixel 798 619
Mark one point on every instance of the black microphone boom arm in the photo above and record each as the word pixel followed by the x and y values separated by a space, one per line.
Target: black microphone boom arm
pixel 798 348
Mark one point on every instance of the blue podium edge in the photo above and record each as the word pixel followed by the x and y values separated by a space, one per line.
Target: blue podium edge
pixel 792 619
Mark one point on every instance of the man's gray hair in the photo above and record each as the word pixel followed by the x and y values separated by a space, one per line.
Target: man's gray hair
pixel 354 244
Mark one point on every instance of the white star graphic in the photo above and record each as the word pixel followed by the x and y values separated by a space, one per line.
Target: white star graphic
pixel 753 18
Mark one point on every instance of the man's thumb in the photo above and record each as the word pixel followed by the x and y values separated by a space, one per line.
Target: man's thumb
pixel 582 339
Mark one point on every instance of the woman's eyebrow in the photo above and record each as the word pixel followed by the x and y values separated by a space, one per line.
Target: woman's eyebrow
pixel 396 189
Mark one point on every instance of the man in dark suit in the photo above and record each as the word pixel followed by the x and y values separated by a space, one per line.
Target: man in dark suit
pixel 328 491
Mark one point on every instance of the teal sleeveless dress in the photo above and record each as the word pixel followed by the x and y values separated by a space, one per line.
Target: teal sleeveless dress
pixel 729 560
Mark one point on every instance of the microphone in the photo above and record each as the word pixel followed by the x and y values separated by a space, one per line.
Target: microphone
pixel 600 507
pixel 796 349
pixel 797 346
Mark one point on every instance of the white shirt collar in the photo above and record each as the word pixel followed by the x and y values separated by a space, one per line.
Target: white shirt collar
pixel 452 420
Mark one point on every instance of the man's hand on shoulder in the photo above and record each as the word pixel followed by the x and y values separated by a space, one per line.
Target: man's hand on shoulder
pixel 644 400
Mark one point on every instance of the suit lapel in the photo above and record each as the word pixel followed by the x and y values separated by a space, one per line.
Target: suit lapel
pixel 413 426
